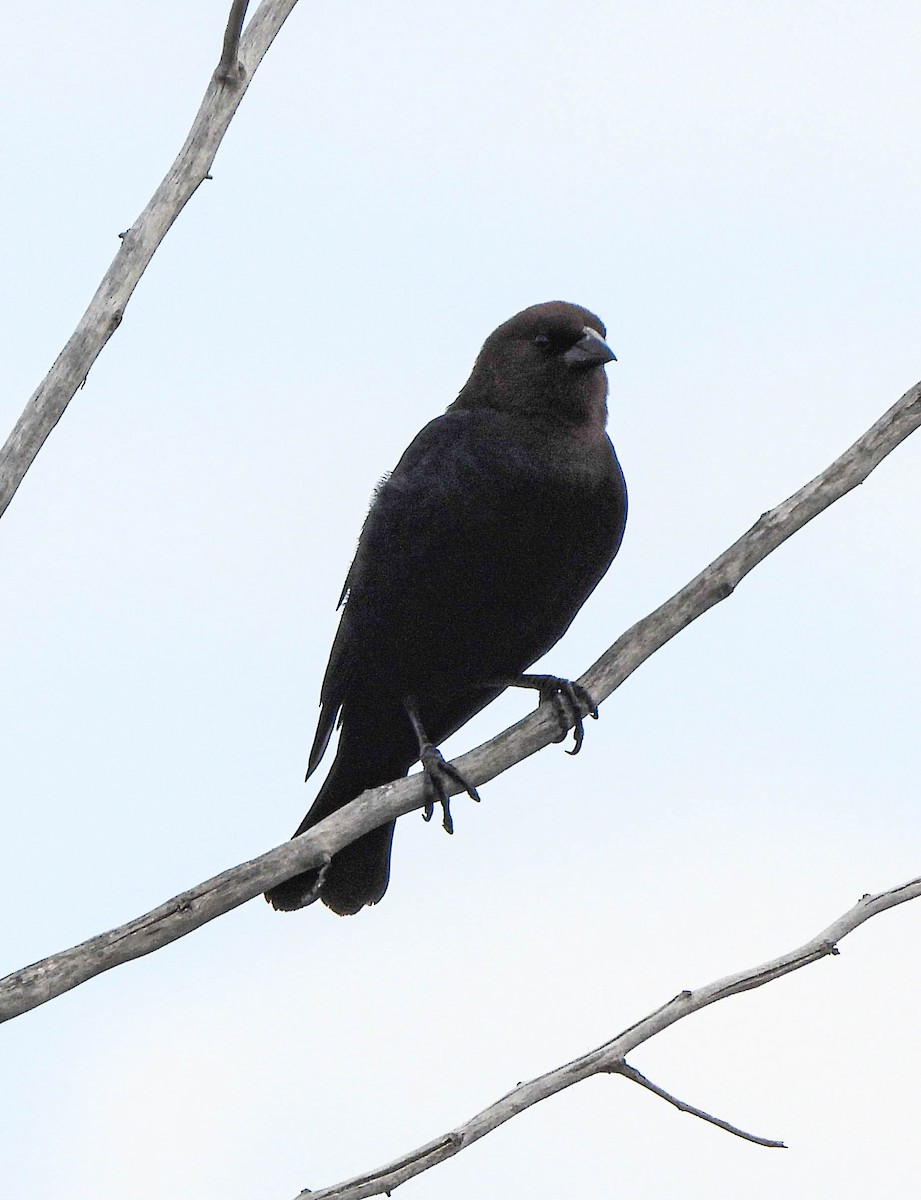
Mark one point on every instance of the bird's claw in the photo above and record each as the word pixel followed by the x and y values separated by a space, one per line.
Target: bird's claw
pixel 322 872
pixel 438 775
pixel 571 702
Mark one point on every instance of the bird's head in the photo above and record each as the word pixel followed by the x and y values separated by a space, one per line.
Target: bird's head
pixel 547 361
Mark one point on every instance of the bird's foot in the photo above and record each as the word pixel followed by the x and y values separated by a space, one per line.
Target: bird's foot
pixel 571 702
pixel 300 890
pixel 439 775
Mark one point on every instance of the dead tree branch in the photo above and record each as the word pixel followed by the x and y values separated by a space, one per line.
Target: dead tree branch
pixel 139 243
pixel 610 1057
pixel 718 581
pixel 636 1076
pixel 34 985
pixel 229 69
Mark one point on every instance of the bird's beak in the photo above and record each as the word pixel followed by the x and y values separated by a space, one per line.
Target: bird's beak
pixel 591 350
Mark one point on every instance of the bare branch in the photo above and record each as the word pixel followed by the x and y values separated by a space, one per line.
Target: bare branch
pixel 609 1058
pixel 36 984
pixel 229 69
pixel 638 1077
pixel 138 244
pixel 718 581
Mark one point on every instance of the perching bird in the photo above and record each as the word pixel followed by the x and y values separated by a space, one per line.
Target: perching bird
pixel 478 550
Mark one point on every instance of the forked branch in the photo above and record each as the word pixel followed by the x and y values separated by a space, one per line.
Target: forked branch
pixel 610 1057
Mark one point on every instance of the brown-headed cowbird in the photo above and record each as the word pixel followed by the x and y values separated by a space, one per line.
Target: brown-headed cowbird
pixel 478 550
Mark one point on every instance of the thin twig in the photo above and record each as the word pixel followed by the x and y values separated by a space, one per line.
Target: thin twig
pixel 230 69
pixel 636 1076
pixel 138 244
pixel 36 984
pixel 609 1058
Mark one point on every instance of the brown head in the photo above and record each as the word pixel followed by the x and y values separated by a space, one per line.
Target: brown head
pixel 545 362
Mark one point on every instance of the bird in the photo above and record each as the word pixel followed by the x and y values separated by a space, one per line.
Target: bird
pixel 477 552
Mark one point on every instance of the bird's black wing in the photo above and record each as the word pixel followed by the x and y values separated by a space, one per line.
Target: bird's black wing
pixel 397 536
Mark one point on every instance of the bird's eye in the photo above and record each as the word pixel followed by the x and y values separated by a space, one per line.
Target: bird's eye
pixel 542 340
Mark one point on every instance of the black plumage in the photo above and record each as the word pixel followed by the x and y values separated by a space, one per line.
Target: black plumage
pixel 478 551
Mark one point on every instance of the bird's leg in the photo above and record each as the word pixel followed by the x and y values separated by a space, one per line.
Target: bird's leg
pixel 571 702
pixel 438 773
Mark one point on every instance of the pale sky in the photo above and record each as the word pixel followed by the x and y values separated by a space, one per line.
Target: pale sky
pixel 734 188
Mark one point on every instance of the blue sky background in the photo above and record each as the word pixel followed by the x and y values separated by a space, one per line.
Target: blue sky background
pixel 734 188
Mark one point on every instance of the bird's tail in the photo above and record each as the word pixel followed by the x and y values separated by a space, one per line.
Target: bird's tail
pixel 359 873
